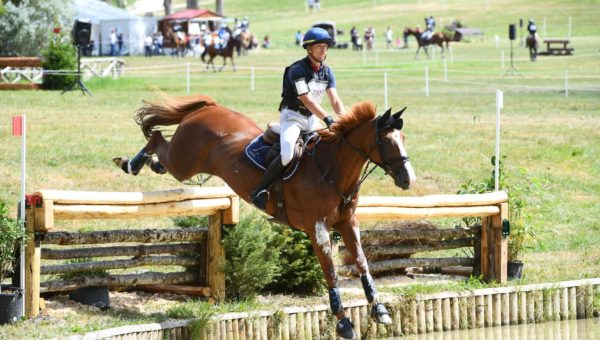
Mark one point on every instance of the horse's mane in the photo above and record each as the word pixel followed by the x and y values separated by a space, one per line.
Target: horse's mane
pixel 170 112
pixel 356 115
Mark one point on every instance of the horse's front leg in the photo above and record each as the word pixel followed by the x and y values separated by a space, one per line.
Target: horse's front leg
pixel 224 63
pixel 322 247
pixel 351 235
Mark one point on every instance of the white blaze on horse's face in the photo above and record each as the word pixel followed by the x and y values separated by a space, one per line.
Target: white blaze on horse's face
pixel 322 236
pixel 399 141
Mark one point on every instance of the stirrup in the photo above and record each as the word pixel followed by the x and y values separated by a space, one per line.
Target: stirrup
pixel 260 198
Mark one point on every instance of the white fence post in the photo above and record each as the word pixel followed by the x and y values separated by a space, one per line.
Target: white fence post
pixel 451 54
pixel 499 105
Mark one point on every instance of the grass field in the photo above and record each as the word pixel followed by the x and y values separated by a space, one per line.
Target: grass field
pixel 552 137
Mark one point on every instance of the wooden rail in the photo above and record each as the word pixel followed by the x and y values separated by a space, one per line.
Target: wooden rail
pixel 170 247
pixel 490 246
pixel 15 69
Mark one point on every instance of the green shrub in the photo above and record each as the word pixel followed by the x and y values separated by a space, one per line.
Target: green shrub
pixel 252 250
pixel 300 268
pixel 12 233
pixel 190 221
pixel 523 198
pixel 60 55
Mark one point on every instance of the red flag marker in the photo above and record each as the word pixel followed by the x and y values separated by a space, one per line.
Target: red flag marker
pixel 17 125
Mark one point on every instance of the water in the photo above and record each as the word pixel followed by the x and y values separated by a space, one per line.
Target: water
pixel 586 329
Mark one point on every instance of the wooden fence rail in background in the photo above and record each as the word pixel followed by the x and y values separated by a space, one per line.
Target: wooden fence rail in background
pixel 170 247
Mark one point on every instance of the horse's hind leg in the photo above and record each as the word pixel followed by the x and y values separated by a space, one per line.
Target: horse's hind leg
pixel 156 144
pixel 351 236
pixel 322 247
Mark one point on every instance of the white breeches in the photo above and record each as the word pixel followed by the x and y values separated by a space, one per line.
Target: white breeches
pixel 292 124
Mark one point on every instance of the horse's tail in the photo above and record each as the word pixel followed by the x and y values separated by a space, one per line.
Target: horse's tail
pixel 172 112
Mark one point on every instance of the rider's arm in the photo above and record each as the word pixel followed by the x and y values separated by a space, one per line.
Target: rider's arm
pixel 336 101
pixel 313 106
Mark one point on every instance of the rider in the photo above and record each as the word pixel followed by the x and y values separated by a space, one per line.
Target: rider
pixel 305 82
pixel 429 26
pixel 224 35
pixel 532 27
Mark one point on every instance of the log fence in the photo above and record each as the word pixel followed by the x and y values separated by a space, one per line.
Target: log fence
pixel 197 250
pixel 387 249
pixel 20 73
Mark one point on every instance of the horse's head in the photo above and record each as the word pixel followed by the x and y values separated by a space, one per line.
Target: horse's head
pixel 392 155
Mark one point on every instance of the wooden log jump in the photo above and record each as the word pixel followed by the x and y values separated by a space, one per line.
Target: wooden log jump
pixel 220 204
pixel 489 243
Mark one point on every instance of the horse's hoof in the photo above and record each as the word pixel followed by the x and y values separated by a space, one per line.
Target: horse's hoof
pixel 121 162
pixel 380 314
pixel 344 329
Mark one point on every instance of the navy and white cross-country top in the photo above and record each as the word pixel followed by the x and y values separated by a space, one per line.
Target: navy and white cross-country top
pixel 300 78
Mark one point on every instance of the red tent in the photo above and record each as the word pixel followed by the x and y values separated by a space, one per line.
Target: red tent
pixel 190 14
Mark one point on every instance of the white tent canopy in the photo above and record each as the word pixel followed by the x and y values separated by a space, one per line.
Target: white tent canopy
pixel 105 18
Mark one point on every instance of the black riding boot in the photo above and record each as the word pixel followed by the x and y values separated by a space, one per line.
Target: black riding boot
pixel 260 194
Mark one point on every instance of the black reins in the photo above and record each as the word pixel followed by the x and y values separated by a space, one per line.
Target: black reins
pixel 366 171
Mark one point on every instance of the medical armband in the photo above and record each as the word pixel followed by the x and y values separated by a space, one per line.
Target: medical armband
pixel 301 86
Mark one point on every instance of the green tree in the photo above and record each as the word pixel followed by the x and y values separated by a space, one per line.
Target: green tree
pixel 26 24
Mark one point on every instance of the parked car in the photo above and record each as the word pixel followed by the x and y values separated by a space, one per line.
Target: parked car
pixel 329 26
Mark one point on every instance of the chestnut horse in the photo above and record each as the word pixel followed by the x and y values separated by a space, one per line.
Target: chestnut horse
pixel 323 193
pixel 225 52
pixel 437 38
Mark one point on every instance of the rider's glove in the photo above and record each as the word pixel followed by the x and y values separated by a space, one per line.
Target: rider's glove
pixel 328 121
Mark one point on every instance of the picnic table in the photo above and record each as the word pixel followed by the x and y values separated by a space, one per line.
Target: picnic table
pixel 557 47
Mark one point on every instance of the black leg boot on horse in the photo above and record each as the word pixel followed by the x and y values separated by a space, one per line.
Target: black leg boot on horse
pixel 260 195
pixel 136 164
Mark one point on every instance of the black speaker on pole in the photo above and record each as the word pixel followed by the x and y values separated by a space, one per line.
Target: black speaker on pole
pixel 512 31
pixel 512 35
pixel 82 32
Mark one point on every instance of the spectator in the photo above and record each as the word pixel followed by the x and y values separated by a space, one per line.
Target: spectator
pixel 389 37
pixel 113 42
pixel 298 37
pixel 148 46
pixel 120 43
pixel 266 42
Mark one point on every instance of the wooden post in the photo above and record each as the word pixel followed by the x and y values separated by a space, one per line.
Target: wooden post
pixel 484 267
pixel 494 248
pixel 44 216
pixel 216 255
pixel 33 252
pixel 232 215
pixel 446 314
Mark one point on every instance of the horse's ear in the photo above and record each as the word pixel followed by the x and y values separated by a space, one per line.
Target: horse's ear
pixel 397 124
pixel 382 120
pixel 399 113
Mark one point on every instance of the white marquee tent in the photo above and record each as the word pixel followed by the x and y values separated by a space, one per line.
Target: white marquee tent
pixel 105 18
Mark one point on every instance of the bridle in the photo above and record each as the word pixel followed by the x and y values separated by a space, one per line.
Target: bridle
pixel 380 127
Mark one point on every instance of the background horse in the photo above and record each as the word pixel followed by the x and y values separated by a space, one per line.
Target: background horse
pixel 225 52
pixel 321 196
pixel 245 42
pixel 437 38
pixel 180 43
pixel 532 45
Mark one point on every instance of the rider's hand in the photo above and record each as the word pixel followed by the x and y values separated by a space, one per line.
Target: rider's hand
pixel 328 121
